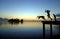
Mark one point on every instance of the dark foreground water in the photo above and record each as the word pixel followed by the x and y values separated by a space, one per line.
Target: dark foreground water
pixel 25 30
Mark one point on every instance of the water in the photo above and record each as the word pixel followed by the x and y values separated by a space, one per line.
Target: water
pixel 25 30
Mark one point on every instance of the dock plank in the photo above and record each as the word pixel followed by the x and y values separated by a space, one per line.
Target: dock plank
pixel 51 22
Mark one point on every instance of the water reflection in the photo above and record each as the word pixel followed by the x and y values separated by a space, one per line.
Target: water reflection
pixel 21 22
pixel 15 22
pixel 0 23
pixel 24 29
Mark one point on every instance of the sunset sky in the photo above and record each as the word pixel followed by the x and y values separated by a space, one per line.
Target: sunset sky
pixel 28 9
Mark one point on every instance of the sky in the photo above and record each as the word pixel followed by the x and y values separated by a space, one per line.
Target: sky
pixel 28 9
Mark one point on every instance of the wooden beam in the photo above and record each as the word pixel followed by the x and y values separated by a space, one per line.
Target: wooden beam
pixel 50 31
pixel 43 31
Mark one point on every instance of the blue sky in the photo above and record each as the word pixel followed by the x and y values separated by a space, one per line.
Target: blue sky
pixel 28 9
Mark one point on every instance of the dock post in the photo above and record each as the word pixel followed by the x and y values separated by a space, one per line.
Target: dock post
pixel 51 30
pixel 43 31
pixel 59 29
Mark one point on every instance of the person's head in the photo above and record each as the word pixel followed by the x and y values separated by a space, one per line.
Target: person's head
pixel 48 11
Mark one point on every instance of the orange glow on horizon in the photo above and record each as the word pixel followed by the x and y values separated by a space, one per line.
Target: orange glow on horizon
pixel 25 18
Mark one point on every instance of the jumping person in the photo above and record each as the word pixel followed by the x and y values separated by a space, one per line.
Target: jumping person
pixel 54 17
pixel 41 17
pixel 48 14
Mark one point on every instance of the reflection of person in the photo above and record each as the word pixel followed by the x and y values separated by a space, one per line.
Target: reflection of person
pixel 54 17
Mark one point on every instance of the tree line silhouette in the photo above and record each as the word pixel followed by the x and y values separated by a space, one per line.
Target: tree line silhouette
pixel 15 20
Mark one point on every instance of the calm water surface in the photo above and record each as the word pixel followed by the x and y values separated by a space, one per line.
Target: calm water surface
pixel 25 29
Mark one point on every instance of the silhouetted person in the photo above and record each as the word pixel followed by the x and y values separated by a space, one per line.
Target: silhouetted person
pixel 41 17
pixel 54 17
pixel 48 14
